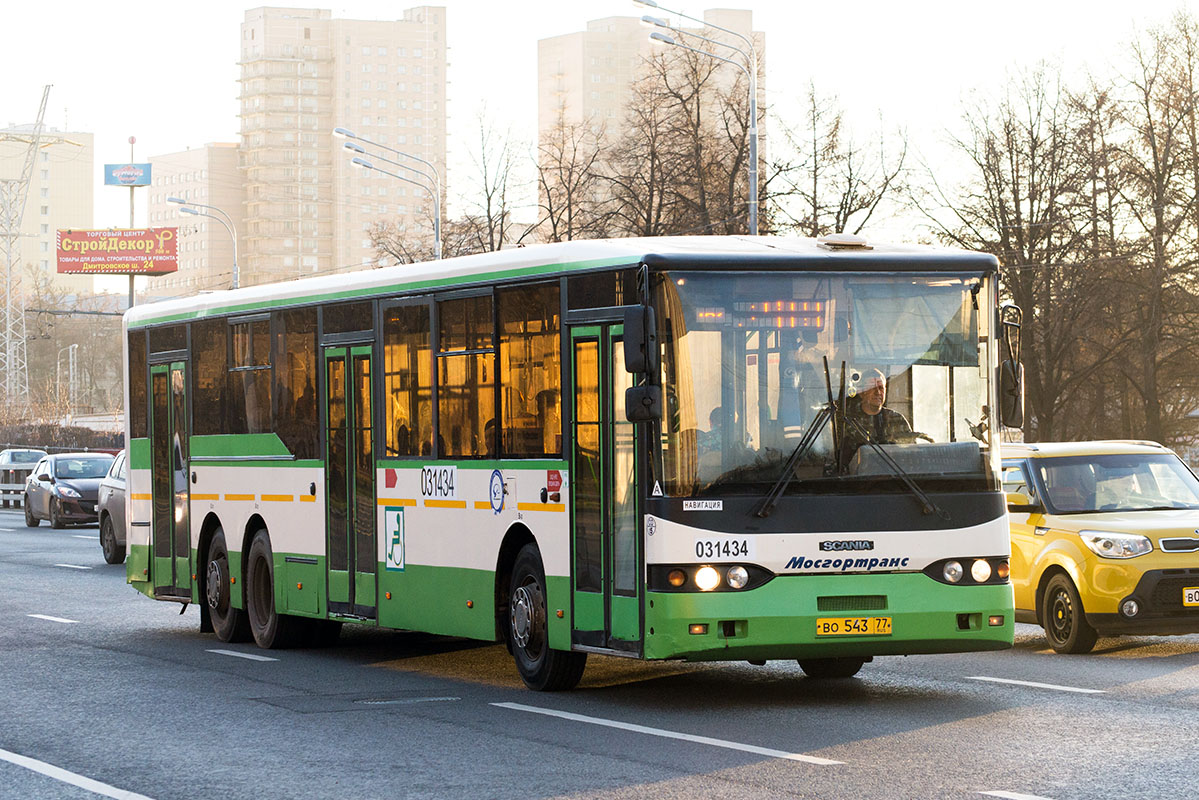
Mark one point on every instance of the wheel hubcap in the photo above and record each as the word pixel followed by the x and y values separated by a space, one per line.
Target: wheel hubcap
pixel 526 617
pixel 216 582
pixel 1063 615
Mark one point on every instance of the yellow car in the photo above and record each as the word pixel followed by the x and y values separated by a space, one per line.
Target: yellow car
pixel 1105 540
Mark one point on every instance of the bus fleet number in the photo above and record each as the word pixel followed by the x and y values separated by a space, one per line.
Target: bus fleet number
pixel 721 548
pixel 438 482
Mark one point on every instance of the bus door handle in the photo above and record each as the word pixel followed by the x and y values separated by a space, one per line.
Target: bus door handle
pixel 193 477
pixel 312 488
pixel 544 494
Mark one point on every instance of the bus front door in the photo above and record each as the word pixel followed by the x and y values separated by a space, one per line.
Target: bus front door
pixel 605 523
pixel 169 489
pixel 350 481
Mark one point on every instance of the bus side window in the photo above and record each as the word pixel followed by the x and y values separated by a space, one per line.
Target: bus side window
pixel 465 377
pixel 296 420
pixel 530 370
pixel 407 381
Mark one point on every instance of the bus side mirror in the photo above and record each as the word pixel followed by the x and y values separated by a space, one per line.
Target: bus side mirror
pixel 643 403
pixel 1011 394
pixel 640 341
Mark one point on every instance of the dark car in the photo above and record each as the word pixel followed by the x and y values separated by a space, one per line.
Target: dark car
pixel 64 487
pixel 111 508
pixel 15 464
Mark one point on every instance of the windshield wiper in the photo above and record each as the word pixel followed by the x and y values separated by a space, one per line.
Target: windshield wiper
pixel 929 506
pixel 805 444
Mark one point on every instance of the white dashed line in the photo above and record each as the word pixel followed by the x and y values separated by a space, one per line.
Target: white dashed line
pixel 1015 796
pixel 9 530
pixel 686 737
pixel 77 536
pixel 71 566
pixel 53 619
pixel 250 656
pixel 1036 685
pixel 60 774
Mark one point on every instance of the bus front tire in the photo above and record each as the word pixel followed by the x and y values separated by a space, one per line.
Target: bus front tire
pixel 823 668
pixel 271 629
pixel 1064 619
pixel 230 624
pixel 541 668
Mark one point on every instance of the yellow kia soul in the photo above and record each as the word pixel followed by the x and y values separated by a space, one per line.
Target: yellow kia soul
pixel 1105 540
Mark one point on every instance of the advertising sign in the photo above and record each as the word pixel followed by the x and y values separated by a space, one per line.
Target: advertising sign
pixel 133 251
pixel 126 174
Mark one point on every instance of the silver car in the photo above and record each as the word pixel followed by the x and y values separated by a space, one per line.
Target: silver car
pixel 111 507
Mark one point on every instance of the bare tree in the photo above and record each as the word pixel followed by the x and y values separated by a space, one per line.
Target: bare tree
pixel 570 182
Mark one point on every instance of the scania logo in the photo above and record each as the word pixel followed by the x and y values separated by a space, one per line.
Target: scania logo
pixel 851 544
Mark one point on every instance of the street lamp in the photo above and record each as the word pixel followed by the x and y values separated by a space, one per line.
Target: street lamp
pixel 433 176
pixel 186 207
pixel 750 54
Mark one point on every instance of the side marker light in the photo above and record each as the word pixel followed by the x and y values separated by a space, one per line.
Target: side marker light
pixel 697 628
pixel 995 621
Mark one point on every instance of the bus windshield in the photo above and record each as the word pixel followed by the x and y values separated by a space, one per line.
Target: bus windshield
pixel 744 377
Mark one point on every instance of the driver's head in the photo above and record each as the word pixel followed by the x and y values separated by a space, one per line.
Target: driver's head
pixel 874 392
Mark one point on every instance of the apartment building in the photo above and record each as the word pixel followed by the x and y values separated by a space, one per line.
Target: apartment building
pixel 588 75
pixel 60 195
pixel 304 73
pixel 209 175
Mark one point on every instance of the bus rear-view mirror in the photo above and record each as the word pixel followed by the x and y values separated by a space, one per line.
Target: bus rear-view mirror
pixel 643 403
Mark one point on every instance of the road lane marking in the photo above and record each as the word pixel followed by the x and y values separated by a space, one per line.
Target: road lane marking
pixel 1036 685
pixel 77 536
pixel 60 774
pixel 71 566
pixel 9 530
pixel 53 619
pixel 250 656
pixel 686 737
pixel 1015 796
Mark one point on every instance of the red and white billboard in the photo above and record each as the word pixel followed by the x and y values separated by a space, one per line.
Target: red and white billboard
pixel 131 251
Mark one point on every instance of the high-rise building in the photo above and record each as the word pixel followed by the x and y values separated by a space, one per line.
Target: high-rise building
pixel 61 191
pixel 307 209
pixel 587 76
pixel 209 175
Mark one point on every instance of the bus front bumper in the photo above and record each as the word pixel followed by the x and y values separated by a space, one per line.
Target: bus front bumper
pixel 779 619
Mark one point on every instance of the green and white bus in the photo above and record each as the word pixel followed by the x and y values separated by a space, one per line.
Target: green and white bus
pixel 635 447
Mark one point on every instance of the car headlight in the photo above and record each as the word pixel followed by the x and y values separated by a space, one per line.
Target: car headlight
pixel 1116 545
pixel 67 491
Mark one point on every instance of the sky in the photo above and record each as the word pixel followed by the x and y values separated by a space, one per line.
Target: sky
pixel 166 72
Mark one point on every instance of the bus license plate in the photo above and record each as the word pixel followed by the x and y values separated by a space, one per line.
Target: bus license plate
pixel 853 626
pixel 1190 596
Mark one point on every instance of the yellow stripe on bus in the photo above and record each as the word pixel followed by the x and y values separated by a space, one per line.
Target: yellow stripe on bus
pixel 307 498
pixel 200 497
pixel 141 497
pixel 395 501
pixel 239 497
pixel 482 504
pixel 278 498
pixel 540 506
pixel 445 504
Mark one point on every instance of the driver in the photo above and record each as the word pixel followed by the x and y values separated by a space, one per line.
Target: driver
pixel 875 422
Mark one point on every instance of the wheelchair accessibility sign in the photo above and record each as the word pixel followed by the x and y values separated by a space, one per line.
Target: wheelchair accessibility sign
pixel 393 528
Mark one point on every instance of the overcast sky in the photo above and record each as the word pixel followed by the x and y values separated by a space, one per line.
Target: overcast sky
pixel 166 72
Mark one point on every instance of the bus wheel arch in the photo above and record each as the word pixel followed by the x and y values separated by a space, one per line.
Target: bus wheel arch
pixel 517 537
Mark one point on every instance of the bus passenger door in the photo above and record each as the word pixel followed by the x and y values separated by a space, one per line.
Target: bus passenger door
pixel 170 488
pixel 350 481
pixel 607 553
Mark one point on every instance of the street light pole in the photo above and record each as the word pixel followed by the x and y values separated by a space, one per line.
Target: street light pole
pixel 434 178
pixel 751 56
pixel 227 222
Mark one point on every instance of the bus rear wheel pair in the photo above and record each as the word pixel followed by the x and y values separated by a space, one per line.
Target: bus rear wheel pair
pixel 259 620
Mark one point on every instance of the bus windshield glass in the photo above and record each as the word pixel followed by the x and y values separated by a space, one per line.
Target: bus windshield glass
pixel 744 378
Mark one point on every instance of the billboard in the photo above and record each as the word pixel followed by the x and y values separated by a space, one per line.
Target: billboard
pixel 132 251
pixel 126 174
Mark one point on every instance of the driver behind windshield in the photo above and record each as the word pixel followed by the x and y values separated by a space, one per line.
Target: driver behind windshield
pixel 867 419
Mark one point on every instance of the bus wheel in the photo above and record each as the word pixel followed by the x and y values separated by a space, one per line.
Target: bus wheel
pixel 113 553
pixel 831 667
pixel 271 630
pixel 229 623
pixel 542 669
pixel 1066 625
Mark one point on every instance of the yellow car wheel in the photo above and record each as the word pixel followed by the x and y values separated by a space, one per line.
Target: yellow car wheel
pixel 1063 618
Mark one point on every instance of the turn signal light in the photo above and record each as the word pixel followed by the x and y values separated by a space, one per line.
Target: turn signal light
pixel 1002 570
pixel 697 628
pixel 677 577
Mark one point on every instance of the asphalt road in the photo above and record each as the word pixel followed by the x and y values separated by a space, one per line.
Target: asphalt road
pixel 101 684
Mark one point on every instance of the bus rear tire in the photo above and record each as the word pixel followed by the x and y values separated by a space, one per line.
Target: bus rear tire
pixel 230 624
pixel 271 630
pixel 541 668
pixel 825 668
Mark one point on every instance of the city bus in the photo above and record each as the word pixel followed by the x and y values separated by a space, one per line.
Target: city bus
pixel 642 448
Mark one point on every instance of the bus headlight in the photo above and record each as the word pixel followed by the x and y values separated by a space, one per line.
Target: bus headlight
pixel 980 570
pixel 953 571
pixel 707 579
pixel 737 577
